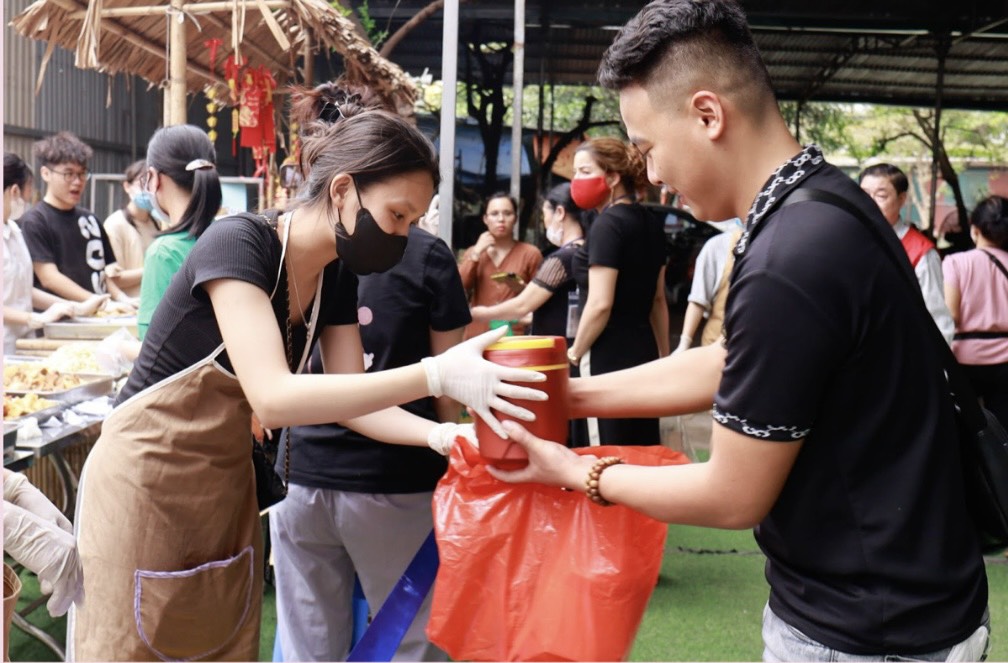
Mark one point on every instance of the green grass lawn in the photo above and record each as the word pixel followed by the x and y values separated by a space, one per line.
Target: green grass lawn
pixel 707 605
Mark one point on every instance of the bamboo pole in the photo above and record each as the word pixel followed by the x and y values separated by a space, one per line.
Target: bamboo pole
pixel 176 66
pixel 140 42
pixel 189 7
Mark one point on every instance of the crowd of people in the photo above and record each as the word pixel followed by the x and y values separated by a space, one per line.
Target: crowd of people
pixel 809 357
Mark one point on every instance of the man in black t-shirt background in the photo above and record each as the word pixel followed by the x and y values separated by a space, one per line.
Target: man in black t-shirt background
pixel 68 246
pixel 834 433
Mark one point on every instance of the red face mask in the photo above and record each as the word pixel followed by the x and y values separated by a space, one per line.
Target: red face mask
pixel 590 192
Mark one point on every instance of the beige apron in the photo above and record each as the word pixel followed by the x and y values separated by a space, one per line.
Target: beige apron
pixel 168 525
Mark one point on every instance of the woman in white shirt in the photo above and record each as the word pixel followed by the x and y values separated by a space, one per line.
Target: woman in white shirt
pixel 21 299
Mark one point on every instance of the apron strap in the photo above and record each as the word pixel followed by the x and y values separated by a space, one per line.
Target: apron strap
pixel 380 641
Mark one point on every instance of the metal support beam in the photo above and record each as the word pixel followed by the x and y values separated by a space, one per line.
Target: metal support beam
pixel 942 49
pixel 449 78
pixel 518 85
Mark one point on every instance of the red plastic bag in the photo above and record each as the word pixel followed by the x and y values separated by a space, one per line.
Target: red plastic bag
pixel 533 573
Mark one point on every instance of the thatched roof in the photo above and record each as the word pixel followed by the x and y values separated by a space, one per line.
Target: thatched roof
pixel 117 36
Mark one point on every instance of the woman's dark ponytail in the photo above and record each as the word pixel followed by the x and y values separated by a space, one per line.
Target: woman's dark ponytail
pixel 184 153
pixel 204 203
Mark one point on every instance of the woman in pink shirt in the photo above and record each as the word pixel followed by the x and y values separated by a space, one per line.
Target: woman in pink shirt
pixel 976 291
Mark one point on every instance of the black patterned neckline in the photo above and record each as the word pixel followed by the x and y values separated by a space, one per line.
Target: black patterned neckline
pixel 783 181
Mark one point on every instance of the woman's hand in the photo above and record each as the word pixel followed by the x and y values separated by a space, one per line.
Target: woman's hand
pixel 485 241
pixel 480 313
pixel 89 306
pixel 549 463
pixel 52 314
pixel 462 374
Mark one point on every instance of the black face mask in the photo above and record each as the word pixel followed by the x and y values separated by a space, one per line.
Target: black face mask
pixel 370 249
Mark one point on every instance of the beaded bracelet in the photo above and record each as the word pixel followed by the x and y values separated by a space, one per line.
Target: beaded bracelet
pixel 592 482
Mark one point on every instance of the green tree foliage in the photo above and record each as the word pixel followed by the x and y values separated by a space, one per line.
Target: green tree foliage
pixel 865 131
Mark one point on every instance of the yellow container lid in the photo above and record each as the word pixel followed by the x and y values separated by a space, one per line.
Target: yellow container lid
pixel 524 343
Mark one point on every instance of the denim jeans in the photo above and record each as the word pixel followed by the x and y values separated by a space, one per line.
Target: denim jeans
pixel 782 642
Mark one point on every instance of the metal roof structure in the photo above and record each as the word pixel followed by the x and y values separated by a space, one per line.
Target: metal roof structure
pixel 834 50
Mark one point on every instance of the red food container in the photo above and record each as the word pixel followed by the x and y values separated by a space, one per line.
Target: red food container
pixel 548 355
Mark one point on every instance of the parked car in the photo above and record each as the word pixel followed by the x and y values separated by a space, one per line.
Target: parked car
pixel 684 237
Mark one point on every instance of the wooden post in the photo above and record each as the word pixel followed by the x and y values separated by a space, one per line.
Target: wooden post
pixel 309 61
pixel 177 65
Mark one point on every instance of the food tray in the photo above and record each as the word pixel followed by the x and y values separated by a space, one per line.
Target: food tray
pixel 39 415
pixel 99 386
pixel 90 328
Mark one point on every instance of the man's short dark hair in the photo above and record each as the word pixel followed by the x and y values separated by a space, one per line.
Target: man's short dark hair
pixel 679 43
pixel 896 176
pixel 63 147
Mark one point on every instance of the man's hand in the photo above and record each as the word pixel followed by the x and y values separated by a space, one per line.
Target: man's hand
pixel 550 463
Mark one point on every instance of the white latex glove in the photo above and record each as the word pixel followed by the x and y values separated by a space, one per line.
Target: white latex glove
pixel 89 305
pixel 442 437
pixel 49 552
pixel 461 373
pixel 19 491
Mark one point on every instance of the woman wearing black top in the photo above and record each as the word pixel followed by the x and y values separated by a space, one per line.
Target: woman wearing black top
pixel 167 520
pixel 620 272
pixel 548 296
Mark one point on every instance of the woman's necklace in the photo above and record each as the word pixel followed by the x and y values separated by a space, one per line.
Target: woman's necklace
pixel 292 279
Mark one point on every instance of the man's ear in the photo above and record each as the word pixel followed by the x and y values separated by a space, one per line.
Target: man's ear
pixel 708 109
pixel 46 173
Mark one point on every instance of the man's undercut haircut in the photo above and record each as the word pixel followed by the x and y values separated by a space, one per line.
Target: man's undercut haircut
pixel 63 147
pixel 676 47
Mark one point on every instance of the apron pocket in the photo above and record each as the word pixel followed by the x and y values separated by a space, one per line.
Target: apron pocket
pixel 188 615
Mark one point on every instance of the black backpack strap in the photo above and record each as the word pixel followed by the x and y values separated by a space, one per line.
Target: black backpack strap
pixel 997 263
pixel 965 397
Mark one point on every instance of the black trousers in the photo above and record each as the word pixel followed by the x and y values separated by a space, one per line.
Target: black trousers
pixel 990 381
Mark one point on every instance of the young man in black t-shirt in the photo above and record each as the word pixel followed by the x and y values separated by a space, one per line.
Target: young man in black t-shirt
pixel 834 433
pixel 68 246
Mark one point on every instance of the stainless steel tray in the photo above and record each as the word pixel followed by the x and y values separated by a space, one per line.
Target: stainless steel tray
pixel 10 429
pixel 40 415
pixel 90 328
pixel 100 386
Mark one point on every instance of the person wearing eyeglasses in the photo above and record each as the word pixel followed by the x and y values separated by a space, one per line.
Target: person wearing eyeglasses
pixel 68 246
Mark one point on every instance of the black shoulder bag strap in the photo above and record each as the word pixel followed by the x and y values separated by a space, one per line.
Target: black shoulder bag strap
pixel 997 263
pixel 962 391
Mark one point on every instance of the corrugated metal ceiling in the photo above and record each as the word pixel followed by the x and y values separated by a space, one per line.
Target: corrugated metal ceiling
pixel 854 50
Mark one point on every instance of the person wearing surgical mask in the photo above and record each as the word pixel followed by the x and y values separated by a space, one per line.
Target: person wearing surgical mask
pixel 21 299
pixel 168 525
pixel 171 180
pixel 620 272
pixel 130 231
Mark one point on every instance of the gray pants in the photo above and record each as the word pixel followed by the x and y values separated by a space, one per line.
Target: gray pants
pixel 320 538
pixel 782 642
